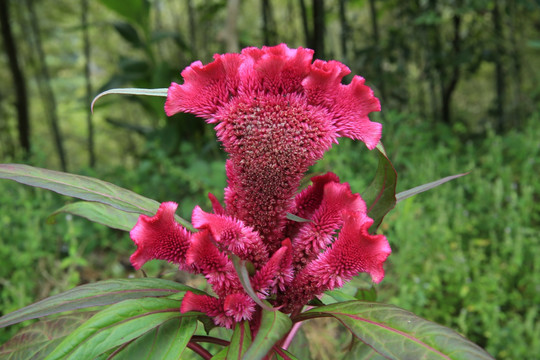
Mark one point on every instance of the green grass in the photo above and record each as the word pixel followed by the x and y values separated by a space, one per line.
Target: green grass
pixel 465 254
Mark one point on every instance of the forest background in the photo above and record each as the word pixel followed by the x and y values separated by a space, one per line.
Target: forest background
pixel 459 83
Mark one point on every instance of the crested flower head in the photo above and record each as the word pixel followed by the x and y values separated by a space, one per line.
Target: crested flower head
pixel 276 113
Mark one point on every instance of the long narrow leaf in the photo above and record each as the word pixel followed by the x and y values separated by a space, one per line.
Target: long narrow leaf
pixel 380 196
pixel 397 334
pixel 131 91
pixel 36 341
pixel 420 189
pixel 100 213
pixel 96 294
pixel 83 187
pixel 166 342
pixel 274 325
pixel 116 325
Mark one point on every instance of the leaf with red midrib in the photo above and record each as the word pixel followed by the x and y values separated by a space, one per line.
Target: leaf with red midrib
pixel 36 341
pixel 397 334
pixel 83 187
pixel 96 294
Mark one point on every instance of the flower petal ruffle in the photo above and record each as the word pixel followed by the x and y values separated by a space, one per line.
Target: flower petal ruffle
pixel 277 273
pixel 206 87
pixel 347 105
pixel 232 235
pixel 354 251
pixel 215 265
pixel 160 237
pixel 327 218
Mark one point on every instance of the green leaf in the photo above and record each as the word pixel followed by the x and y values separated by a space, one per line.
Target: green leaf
pixel 365 294
pixel 339 295
pixel 83 187
pixel 296 218
pixel 136 11
pixel 361 351
pixel 420 189
pixel 116 325
pixel 128 33
pixel 36 341
pixel 221 355
pixel 97 294
pixel 533 44
pixel 398 334
pixel 243 275
pixel 240 341
pixel 131 91
pixel 166 342
pixel 99 213
pixel 274 325
pixel 282 354
pixel 380 196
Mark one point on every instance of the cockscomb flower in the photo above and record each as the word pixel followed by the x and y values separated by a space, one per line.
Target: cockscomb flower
pixel 276 112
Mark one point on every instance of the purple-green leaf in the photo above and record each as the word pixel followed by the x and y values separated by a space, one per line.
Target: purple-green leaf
pixel 420 189
pixel 361 351
pixel 83 187
pixel 99 213
pixel 397 334
pixel 380 196
pixel 168 341
pixel 115 326
pixel 36 341
pixel 274 325
pixel 96 294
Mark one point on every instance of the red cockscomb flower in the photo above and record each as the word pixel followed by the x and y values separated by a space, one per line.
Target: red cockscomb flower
pixel 276 113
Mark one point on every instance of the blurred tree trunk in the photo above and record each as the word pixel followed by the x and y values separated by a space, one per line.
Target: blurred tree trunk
pixel 231 27
pixel 516 42
pixel 19 82
pixel 318 29
pixel 377 47
pixel 500 84
pixel 433 58
pixel 344 29
pixel 269 25
pixel 449 83
pixel 305 23
pixel 157 9
pixel 86 48
pixel 44 85
pixel 192 29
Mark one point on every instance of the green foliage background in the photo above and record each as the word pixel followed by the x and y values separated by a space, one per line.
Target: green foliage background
pixel 465 255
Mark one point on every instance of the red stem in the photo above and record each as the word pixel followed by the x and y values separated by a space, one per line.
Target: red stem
pixel 199 350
